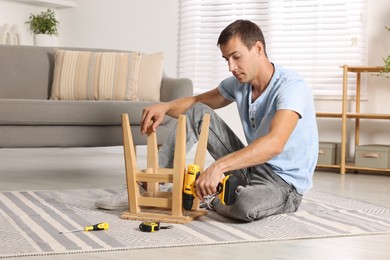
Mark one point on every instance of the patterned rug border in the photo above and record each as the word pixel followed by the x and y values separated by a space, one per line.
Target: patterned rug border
pixel 359 203
pixel 188 245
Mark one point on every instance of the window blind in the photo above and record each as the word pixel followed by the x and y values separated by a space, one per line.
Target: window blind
pixel 312 37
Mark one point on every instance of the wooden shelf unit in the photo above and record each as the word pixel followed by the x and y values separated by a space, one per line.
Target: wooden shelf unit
pixel 355 115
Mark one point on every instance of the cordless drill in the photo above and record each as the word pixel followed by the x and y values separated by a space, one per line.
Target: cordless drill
pixel 190 177
pixel 226 188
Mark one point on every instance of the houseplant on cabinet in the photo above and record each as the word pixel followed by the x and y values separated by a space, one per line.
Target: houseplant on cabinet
pixel 44 26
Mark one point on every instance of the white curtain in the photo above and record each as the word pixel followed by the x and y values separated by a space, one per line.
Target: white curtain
pixel 312 37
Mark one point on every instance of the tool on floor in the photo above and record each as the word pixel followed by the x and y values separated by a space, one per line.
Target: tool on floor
pixel 152 226
pixel 226 189
pixel 96 227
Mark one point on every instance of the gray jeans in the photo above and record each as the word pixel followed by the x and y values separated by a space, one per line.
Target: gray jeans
pixel 263 192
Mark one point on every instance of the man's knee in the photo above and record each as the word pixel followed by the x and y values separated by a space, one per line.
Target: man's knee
pixel 242 209
pixel 198 109
pixel 250 205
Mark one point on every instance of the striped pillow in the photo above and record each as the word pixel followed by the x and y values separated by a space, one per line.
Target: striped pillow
pixel 82 75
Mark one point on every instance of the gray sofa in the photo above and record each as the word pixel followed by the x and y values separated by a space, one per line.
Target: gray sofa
pixel 28 118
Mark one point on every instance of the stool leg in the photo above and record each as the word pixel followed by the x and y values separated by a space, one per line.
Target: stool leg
pixel 152 158
pixel 130 165
pixel 201 149
pixel 179 166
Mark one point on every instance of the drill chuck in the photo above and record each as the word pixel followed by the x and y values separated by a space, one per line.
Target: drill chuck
pixel 188 201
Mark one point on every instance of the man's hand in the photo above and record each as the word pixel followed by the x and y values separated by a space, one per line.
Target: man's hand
pixel 207 182
pixel 153 115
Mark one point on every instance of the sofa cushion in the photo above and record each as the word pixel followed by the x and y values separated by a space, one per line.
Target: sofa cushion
pixel 86 75
pixel 76 112
pixel 150 74
pixel 89 75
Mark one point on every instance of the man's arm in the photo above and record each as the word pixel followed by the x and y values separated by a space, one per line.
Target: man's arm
pixel 260 151
pixel 156 113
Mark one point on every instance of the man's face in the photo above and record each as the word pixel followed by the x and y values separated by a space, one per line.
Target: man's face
pixel 243 63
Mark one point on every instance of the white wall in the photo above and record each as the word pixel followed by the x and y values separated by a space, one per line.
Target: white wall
pixel 151 25
pixel 148 26
pixel 378 88
pixel 16 13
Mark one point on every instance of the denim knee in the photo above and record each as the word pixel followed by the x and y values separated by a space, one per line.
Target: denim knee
pixel 197 110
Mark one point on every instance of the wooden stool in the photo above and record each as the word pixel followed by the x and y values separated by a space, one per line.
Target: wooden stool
pixel 154 205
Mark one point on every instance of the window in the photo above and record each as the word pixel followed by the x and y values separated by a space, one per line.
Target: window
pixel 312 37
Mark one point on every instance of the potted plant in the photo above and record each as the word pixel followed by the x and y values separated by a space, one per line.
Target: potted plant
pixel 44 26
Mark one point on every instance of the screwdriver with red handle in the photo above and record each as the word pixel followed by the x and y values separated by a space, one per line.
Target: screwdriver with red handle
pixel 96 227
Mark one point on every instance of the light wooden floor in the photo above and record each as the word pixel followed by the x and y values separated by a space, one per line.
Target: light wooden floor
pixel 72 168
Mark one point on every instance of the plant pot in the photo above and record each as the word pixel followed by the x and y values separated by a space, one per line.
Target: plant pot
pixel 45 40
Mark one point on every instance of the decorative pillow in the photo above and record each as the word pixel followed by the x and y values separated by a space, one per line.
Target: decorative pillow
pixel 149 76
pixel 105 76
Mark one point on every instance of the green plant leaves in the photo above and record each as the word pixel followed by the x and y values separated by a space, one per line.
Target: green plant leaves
pixel 43 23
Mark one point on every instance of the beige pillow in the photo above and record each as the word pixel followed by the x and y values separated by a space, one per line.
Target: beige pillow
pixel 149 76
pixel 106 76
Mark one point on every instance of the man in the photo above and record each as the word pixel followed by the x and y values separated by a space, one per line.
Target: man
pixel 277 113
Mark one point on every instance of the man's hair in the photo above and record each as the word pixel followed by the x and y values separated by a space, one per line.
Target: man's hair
pixel 248 32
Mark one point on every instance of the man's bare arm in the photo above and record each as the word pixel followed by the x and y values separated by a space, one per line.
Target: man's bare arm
pixel 177 107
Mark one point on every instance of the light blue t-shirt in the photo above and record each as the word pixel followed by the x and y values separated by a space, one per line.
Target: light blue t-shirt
pixel 286 90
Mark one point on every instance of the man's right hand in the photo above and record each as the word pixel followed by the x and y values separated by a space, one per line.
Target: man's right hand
pixel 153 115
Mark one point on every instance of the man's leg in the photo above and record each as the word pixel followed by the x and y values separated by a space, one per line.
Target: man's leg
pixel 266 194
pixel 221 141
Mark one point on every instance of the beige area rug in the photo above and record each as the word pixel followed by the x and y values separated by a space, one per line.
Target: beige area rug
pixel 30 222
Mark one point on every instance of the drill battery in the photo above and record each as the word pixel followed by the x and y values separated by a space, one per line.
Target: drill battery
pixel 227 189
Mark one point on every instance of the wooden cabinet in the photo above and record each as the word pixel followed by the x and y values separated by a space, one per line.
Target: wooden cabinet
pixel 355 115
